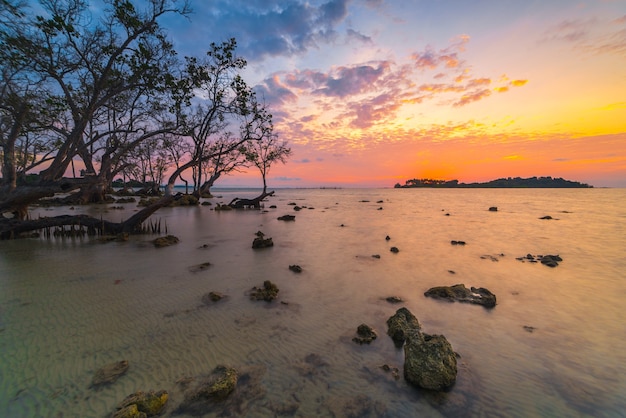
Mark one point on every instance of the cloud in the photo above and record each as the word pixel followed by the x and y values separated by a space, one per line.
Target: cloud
pixel 472 97
pixel 284 178
pixel 274 91
pixel 338 82
pixel 357 36
pixel 518 83
pixel 271 27
pixel 346 81
pixel 591 36
pixel 448 57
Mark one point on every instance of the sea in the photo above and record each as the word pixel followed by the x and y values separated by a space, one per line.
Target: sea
pixel 553 346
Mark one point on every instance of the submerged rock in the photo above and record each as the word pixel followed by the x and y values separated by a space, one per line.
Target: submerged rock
pixel 165 241
pixel 429 361
pixel 365 334
pixel 212 297
pixel 109 373
pixel 200 267
pixel 394 299
pixel 287 218
pixel 460 293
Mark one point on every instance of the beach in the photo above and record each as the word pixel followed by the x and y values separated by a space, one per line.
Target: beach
pixel 552 346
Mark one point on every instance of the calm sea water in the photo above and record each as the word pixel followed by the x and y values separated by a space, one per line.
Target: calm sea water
pixel 70 306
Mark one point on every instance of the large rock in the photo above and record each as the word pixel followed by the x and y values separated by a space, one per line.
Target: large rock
pixel 429 361
pixel 401 324
pixel 460 293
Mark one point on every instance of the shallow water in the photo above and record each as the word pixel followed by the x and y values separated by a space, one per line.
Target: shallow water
pixel 70 306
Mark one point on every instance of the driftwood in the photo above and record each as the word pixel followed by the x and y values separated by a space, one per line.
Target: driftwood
pixel 13 228
pixel 255 203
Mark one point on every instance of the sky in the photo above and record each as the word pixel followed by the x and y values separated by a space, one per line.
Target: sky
pixel 370 93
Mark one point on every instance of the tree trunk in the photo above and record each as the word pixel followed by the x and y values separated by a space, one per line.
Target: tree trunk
pixel 238 203
pixel 13 228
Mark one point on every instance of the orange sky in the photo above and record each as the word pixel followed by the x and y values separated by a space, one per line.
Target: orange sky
pixel 376 92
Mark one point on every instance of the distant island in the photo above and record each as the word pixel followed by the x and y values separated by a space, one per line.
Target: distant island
pixel 510 182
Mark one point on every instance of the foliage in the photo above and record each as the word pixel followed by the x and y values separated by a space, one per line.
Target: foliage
pixel 516 182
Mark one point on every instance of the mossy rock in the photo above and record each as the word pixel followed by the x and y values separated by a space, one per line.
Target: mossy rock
pixel 401 324
pixel 268 292
pixel 165 241
pixel 150 403
pixel 221 382
pixel 130 411
pixel 185 200
pixel 365 334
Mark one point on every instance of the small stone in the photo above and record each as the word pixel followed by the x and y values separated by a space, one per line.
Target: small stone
pixel 394 250
pixel 295 268
pixel 365 334
pixel 165 241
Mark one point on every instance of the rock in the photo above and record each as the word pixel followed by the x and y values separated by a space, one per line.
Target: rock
pixel 550 260
pixel 394 250
pixel 261 242
pixel 216 387
pixel 223 207
pixel 130 411
pixel 547 260
pixel 387 238
pixel 460 293
pixel 429 361
pixel 268 292
pixel 493 209
pixel 401 324
pixel 365 334
pixel 149 404
pixel 546 217
pixel 200 267
pixel 297 208
pixel 165 241
pixel 395 372
pixel 287 218
pixel 453 242
pixel 212 297
pixel 109 373
pixel 393 299
pixel 295 268
pixel 375 255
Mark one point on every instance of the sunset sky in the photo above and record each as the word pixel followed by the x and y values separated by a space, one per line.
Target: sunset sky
pixel 375 92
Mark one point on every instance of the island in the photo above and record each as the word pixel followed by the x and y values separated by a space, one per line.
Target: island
pixel 510 182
